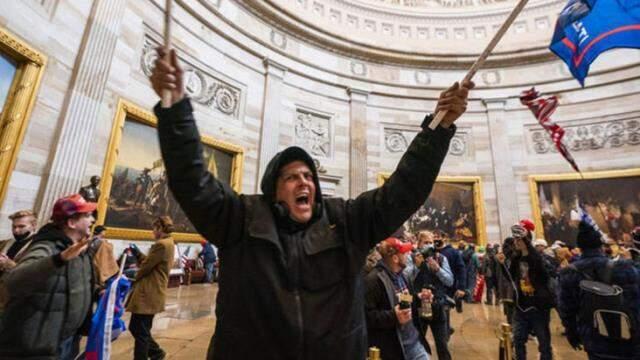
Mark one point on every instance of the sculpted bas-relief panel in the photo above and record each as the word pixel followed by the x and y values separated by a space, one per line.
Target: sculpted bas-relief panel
pixel 313 133
pixel 594 136
pixel 397 140
pixel 201 86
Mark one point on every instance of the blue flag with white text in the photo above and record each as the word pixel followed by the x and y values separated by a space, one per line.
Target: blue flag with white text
pixel 107 323
pixel 587 28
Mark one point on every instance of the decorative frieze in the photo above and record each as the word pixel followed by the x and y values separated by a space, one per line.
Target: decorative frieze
pixel 201 86
pixel 397 140
pixel 313 133
pixel 590 136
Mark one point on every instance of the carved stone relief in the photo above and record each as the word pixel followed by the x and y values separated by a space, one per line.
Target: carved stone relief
pixel 278 39
pixel 358 68
pixel 313 133
pixel 397 140
pixel 201 87
pixel 594 136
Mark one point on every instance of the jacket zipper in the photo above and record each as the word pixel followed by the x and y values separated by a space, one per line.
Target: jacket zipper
pixel 296 295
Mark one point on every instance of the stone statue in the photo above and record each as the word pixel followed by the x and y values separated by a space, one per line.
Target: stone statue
pixel 91 193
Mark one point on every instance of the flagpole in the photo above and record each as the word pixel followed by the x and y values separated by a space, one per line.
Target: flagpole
pixel 166 93
pixel 483 57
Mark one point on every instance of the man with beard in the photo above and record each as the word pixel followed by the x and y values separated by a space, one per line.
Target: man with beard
pixel 23 226
pixel 393 325
pixel 305 252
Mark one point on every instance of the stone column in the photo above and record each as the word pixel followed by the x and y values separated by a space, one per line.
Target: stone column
pixel 506 195
pixel 83 101
pixel 358 147
pixel 271 114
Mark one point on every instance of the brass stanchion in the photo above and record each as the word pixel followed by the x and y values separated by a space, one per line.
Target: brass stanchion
pixel 374 354
pixel 506 346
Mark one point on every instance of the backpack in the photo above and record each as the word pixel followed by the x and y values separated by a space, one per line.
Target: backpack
pixel 602 305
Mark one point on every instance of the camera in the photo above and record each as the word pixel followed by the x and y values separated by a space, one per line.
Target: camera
pixel 428 252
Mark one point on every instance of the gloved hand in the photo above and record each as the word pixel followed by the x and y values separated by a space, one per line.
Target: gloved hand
pixel 574 340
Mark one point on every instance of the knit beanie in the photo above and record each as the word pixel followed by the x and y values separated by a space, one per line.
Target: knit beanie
pixel 588 237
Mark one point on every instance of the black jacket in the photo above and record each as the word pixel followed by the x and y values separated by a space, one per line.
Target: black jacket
pixel 542 297
pixel 273 306
pixel 382 323
pixel 49 300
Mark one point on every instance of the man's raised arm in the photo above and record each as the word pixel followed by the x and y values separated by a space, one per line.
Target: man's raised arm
pixel 376 214
pixel 212 207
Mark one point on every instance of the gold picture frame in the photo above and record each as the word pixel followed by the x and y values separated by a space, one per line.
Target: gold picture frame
pixel 129 111
pixel 478 201
pixel 536 179
pixel 14 118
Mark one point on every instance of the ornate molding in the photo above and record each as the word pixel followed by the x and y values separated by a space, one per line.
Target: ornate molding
pixel 397 140
pixel 16 47
pixel 202 87
pixel 440 3
pixel 590 136
pixel 310 25
pixel 313 133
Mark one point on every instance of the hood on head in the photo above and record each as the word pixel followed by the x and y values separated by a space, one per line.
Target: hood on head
pixel 287 156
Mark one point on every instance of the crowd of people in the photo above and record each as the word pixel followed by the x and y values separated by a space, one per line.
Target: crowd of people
pixel 299 278
pixel 594 287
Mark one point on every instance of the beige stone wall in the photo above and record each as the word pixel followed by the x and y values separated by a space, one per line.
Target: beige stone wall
pixel 225 42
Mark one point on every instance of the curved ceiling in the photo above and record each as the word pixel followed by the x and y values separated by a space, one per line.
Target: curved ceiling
pixel 446 34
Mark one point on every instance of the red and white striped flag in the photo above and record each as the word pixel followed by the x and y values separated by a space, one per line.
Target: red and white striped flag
pixel 542 108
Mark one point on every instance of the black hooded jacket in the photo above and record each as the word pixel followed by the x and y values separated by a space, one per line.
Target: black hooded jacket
pixel 291 291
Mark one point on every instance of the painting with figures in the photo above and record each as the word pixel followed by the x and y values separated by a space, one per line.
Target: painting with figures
pixel 139 191
pixel 613 203
pixel 452 207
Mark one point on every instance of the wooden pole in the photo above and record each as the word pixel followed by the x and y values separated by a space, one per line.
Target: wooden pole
pixel 485 54
pixel 166 94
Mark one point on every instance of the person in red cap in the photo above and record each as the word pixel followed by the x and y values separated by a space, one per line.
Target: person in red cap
pixel 50 289
pixel 392 326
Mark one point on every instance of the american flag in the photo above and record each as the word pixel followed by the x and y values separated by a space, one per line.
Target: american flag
pixel 184 257
pixel 542 108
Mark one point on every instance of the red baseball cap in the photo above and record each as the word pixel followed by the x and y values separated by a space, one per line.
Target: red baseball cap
pixel 528 224
pixel 68 206
pixel 398 245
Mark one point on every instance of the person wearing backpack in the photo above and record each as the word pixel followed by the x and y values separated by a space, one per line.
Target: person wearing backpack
pixel 599 301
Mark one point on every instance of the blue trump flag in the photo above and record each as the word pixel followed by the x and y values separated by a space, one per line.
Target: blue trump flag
pixel 107 323
pixel 587 28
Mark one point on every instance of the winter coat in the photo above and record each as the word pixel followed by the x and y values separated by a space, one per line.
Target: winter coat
pixel 49 299
pixel 383 328
pixel 538 277
pixel 625 276
pixel 149 292
pixel 290 291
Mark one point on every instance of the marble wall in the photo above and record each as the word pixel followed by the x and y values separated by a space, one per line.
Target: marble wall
pixel 264 87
